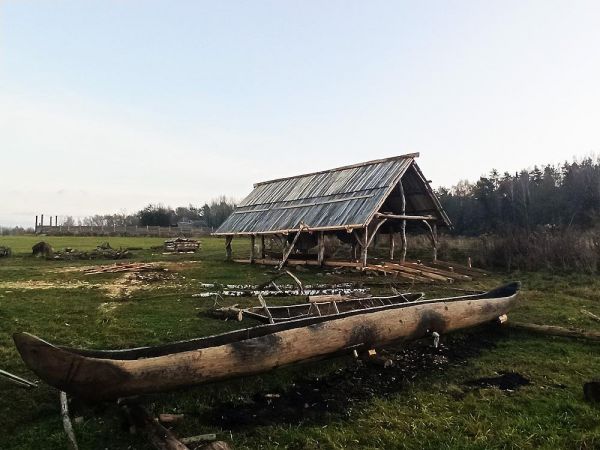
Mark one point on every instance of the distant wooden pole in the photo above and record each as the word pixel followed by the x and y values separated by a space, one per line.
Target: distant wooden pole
pixel 36 223
pixel 42 222
pixel 228 252
pixel 321 251
pixel 55 220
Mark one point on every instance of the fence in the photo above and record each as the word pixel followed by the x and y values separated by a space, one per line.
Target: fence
pixel 121 230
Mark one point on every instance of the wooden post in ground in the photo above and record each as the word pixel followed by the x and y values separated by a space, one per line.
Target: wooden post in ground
pixel 252 249
pixel 433 236
pixel 364 249
pixel 392 244
pixel 262 246
pixel 321 247
pixel 435 242
pixel 56 220
pixel 228 240
pixel 403 223
pixel 36 223
pixel 42 223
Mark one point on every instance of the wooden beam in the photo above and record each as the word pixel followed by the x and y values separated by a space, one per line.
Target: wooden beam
pixel 405 216
pixel 291 247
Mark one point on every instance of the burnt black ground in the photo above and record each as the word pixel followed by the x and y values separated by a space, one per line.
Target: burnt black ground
pixel 317 400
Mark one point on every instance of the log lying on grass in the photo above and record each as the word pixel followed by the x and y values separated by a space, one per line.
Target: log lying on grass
pixel 553 330
pixel 158 436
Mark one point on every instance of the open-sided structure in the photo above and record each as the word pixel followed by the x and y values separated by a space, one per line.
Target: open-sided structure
pixel 354 203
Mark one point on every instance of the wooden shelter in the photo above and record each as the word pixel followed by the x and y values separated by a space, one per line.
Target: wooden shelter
pixel 354 203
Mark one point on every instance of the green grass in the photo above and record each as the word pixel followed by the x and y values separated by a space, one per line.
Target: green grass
pixel 434 410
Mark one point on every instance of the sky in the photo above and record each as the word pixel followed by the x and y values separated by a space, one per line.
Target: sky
pixel 106 106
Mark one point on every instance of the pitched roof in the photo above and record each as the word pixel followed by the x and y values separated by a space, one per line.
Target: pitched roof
pixel 341 198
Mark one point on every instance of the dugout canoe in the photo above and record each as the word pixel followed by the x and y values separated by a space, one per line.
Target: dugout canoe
pixel 110 374
pixel 326 308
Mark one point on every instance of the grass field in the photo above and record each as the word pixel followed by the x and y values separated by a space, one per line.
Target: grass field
pixel 427 403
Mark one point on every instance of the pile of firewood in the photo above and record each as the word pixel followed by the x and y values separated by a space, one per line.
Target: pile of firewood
pixel 181 245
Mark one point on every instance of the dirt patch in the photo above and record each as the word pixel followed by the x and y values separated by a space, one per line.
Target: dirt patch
pixel 127 284
pixel 39 284
pixel 506 381
pixel 336 395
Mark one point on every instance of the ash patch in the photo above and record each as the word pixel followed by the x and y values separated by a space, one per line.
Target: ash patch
pixel 336 395
pixel 506 381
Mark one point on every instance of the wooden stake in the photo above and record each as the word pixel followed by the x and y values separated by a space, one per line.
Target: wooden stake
pixel 264 305
pixel 67 425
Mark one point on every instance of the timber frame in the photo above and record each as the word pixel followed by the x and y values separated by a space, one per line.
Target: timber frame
pixel 286 210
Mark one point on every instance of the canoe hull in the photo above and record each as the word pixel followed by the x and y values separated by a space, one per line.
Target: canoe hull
pixel 102 378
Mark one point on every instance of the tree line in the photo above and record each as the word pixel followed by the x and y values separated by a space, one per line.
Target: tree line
pixel 210 215
pixel 565 196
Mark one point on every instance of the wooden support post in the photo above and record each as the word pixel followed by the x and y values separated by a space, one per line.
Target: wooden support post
pixel 433 236
pixel 262 246
pixel 403 224
pixel 374 232
pixel 321 252
pixel 354 252
pixel 228 240
pixel 392 244
pixel 364 249
pixel 252 248
pixel 435 242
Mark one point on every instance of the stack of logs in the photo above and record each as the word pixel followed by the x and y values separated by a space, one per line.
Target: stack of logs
pixel 432 272
pixel 181 245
